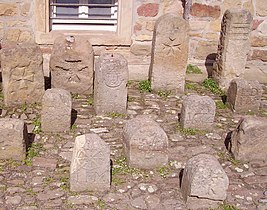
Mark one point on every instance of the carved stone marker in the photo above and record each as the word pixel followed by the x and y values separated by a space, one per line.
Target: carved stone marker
pixel 56 110
pixel 111 77
pixel 13 139
pixel 22 74
pixel 90 164
pixel 169 54
pixel 244 95
pixel 233 47
pixel 204 182
pixel 72 64
pixel 198 112
pixel 145 143
pixel 249 140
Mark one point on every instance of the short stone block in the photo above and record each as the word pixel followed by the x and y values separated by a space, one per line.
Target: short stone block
pixel 169 54
pixel 90 164
pixel 72 64
pixel 13 139
pixel 56 111
pixel 198 112
pixel 204 182
pixel 244 95
pixel 249 140
pixel 145 143
pixel 22 74
pixel 110 84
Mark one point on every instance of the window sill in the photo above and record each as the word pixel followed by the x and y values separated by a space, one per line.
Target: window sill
pixel 95 37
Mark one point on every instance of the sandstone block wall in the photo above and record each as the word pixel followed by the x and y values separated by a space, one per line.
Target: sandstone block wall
pixel 16 20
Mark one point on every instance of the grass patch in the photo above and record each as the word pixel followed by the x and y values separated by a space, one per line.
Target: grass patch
pixel 116 115
pixel 212 86
pixel 191 86
pixel 226 206
pixel 130 82
pixel 220 105
pixel 74 127
pixel 145 86
pixel 130 99
pixel 75 96
pixel 164 170
pixel 1 96
pixel 164 93
pixel 101 204
pixel 37 126
pixel 190 131
pixel 225 156
pixel 32 152
pixel 90 100
pixel 120 168
pixel 192 69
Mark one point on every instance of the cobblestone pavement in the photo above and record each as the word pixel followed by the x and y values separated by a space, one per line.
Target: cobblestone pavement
pixel 42 181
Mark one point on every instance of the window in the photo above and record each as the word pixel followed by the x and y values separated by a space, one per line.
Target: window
pixel 105 22
pixel 84 15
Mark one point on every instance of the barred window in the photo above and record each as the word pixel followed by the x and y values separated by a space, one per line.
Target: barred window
pixel 84 15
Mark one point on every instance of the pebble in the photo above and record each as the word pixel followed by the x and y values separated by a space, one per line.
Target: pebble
pixel 263 200
pixel 99 130
pixel 82 199
pixel 239 170
pixel 139 203
pixel 13 200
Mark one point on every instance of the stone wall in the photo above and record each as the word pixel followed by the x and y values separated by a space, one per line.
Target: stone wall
pixel 17 23
pixel 16 20
pixel 205 25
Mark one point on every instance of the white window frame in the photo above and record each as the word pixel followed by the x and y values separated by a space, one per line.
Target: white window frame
pixel 122 36
pixel 84 23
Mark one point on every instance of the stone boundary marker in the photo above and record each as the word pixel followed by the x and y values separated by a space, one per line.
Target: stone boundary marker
pixel 198 112
pixel 22 74
pixel 234 46
pixel 90 164
pixel 145 143
pixel 204 182
pixel 72 64
pixel 56 111
pixel 13 139
pixel 249 140
pixel 169 54
pixel 110 84
pixel 244 95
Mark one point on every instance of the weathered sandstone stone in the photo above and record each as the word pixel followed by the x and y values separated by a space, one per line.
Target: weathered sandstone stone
pixel 111 77
pixel 72 64
pixel 22 74
pixel 56 111
pixel 13 139
pixel 169 54
pixel 90 164
pixel 249 140
pixel 204 182
pixel 145 143
pixel 234 46
pixel 198 112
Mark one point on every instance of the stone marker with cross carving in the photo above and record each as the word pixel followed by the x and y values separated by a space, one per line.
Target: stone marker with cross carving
pixel 198 112
pixel 249 139
pixel 13 139
pixel 110 84
pixel 56 110
pixel 204 182
pixel 22 74
pixel 233 46
pixel 169 54
pixel 90 164
pixel 72 64
pixel 145 143
pixel 244 96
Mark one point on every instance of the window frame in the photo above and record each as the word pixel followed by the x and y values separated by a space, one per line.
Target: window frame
pixel 122 36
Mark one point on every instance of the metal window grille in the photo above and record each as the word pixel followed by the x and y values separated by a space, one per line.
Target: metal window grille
pixel 83 14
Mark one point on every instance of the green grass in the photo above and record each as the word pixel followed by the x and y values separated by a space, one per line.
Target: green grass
pixel 191 86
pixel 192 69
pixel 226 206
pixel 75 96
pixel 190 131
pixel 90 100
pixel 101 204
pixel 220 105
pixel 24 107
pixel 164 93
pixel 212 86
pixel 130 99
pixel 130 82
pixel 164 170
pixel 32 152
pixel 37 126
pixel 145 86
pixel 74 127
pixel 1 96
pixel 116 115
